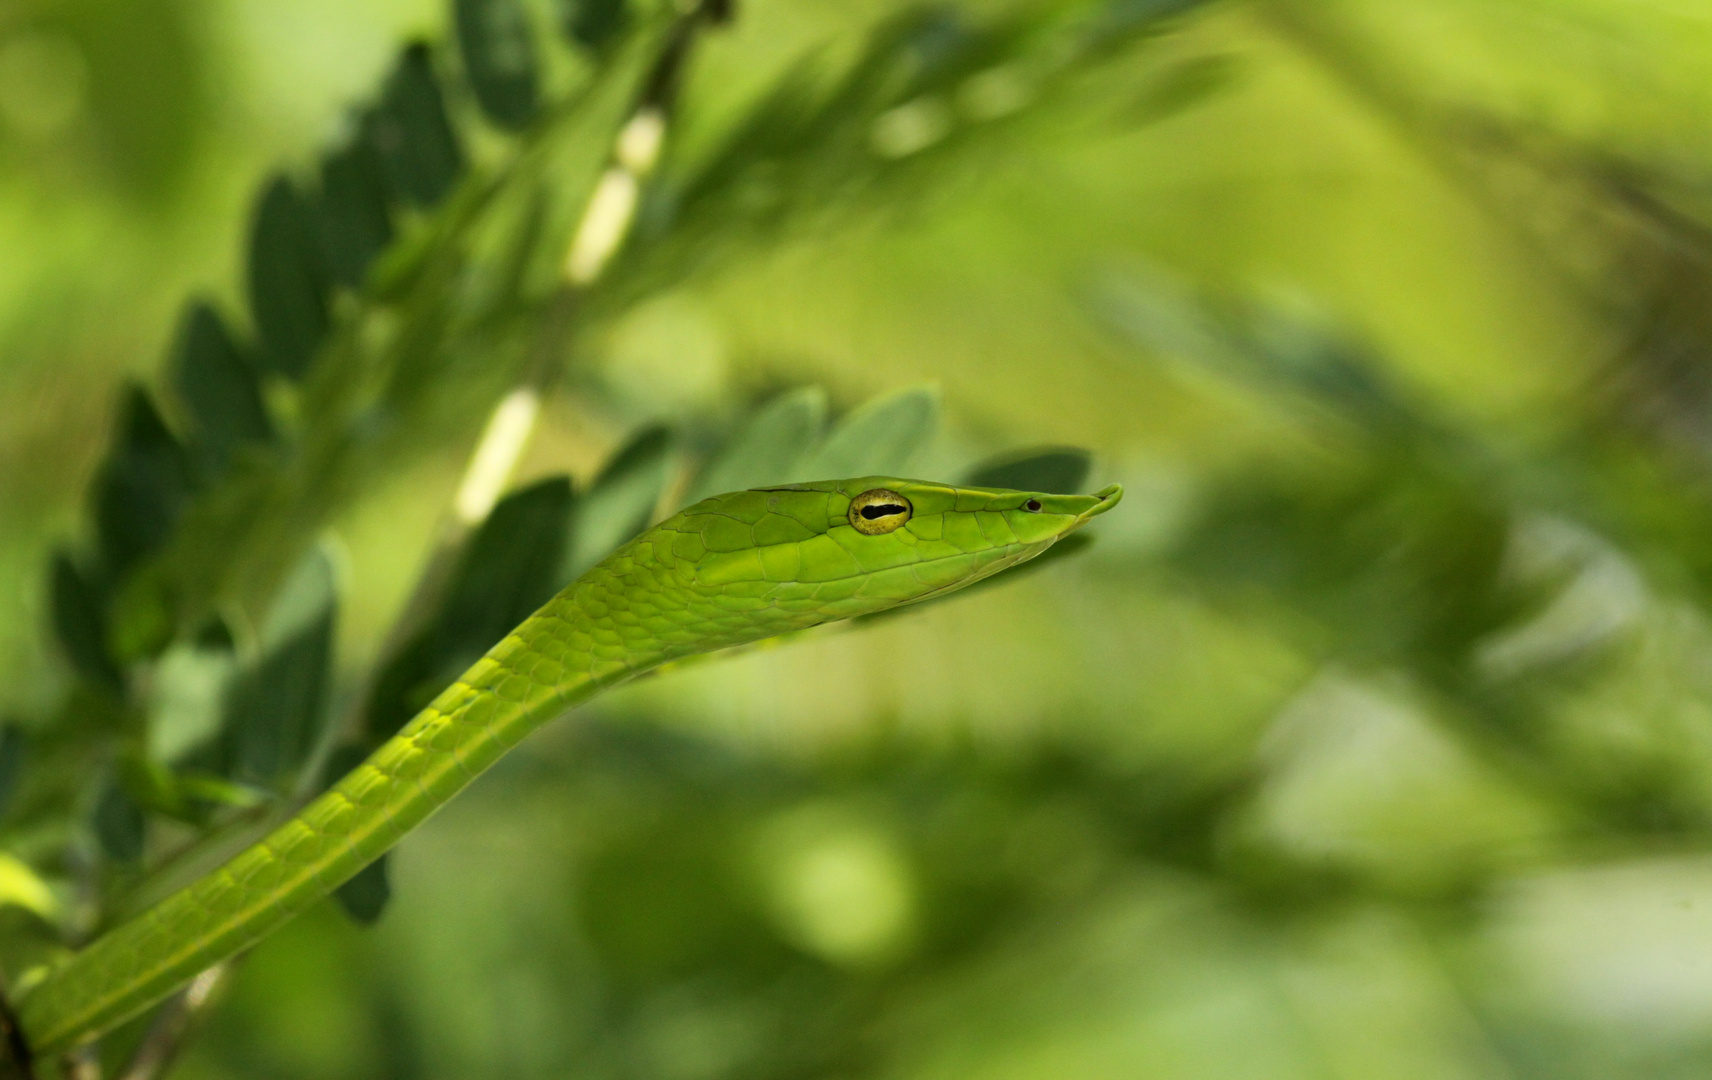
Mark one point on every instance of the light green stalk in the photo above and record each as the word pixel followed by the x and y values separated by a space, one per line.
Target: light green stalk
pixel 729 570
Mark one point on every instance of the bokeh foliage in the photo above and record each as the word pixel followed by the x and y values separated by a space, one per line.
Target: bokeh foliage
pixel 1370 737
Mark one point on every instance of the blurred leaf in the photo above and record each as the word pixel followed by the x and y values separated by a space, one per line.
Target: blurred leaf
pixel 768 448
pixel 187 698
pixel 365 896
pixel 1058 471
pixel 499 59
pixel 288 281
pixel 212 790
pixel 1252 342
pixel 310 591
pixel 141 620
pixel 509 569
pixel 14 747
pixel 593 23
pixel 142 486
pixel 79 624
pixel 119 823
pixel 355 223
pixel 219 389
pixel 153 788
pixel 880 438
pixel 621 502
pixel 21 886
pixel 275 711
pixel 410 131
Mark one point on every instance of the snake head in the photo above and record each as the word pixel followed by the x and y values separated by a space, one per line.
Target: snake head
pixel 840 548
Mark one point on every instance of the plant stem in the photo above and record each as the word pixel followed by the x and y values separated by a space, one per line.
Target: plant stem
pixel 174 1023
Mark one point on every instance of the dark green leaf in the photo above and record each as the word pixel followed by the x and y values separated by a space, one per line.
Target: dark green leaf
pixel 119 824
pixel 509 569
pixel 767 450
pixel 365 896
pixel 288 281
pixel 141 488
pixel 355 223
pixel 409 130
pixel 275 711
pixel 1057 470
pixel 219 389
pixel 621 501
pixel 154 788
pixel 80 624
pixel 594 23
pixel 881 438
pixel 14 745
pixel 141 620
pixel 499 59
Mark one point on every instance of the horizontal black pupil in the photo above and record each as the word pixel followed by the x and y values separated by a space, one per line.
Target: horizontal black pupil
pixel 880 510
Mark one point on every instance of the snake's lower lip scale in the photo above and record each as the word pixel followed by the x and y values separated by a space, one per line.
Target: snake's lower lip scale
pixel 1109 497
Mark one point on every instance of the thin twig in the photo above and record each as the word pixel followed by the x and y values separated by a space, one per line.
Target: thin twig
pixel 174 1023
pixel 83 1063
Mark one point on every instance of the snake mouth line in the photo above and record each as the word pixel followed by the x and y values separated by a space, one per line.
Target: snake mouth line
pixel 1109 497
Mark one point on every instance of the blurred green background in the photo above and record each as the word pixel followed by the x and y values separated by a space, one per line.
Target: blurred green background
pixel 1372 737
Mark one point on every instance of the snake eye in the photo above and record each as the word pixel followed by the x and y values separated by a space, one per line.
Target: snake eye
pixel 878 511
pixel 1032 506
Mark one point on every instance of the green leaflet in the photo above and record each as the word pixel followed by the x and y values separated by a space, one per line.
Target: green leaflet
pixel 499 59
pixel 768 449
pixel 883 436
pixel 219 390
pixel 276 708
pixel 418 150
pixel 288 280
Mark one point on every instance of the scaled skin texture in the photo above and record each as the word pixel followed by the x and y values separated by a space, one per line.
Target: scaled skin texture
pixel 726 571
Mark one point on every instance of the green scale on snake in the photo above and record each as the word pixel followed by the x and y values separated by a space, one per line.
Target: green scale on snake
pixel 726 571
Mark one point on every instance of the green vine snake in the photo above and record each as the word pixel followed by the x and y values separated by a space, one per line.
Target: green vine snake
pixel 726 571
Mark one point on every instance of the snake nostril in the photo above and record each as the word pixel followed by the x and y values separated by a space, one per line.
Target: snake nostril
pixel 1032 506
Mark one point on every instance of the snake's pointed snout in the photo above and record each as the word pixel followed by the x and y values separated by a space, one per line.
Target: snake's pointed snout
pixel 1108 496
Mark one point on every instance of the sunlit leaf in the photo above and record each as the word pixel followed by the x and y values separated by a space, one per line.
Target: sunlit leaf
pixel 1059 470
pixel 356 225
pixel 22 887
pixel 288 279
pixel 766 451
pixel 499 59
pixel 219 389
pixel 881 437
pixel 621 501
pixel 187 698
pixel 410 131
